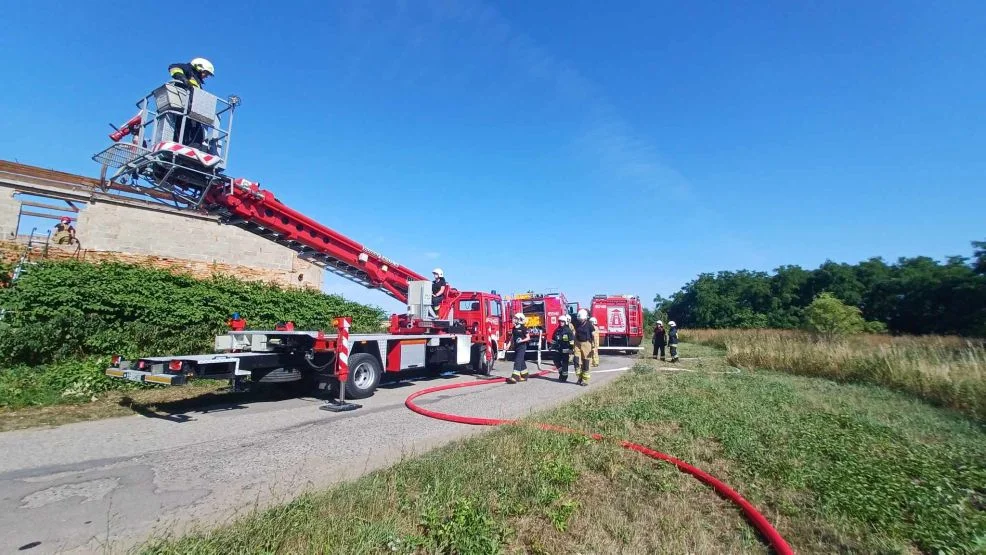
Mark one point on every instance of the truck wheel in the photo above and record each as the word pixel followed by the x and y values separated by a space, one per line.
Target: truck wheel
pixel 364 375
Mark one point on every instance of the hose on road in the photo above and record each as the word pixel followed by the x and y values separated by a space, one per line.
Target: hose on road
pixel 752 514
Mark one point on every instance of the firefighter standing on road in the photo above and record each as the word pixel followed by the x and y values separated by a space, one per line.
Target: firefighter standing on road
pixel 439 287
pixel 584 345
pixel 660 339
pixel 564 337
pixel 519 336
pixel 595 341
pixel 673 340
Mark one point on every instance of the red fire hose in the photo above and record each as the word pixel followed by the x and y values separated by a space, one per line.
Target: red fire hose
pixel 758 520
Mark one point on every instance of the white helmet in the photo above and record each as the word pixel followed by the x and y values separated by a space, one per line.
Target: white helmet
pixel 671 323
pixel 519 317
pixel 564 318
pixel 438 272
pixel 593 320
pixel 201 64
pixel 583 314
pixel 660 323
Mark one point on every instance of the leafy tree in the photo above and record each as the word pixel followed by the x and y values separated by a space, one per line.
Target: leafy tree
pixel 827 314
pixel 913 295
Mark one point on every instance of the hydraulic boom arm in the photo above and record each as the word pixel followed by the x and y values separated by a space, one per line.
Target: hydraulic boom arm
pixel 244 204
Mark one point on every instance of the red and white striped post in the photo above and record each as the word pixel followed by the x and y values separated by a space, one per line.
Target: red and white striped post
pixel 342 351
pixel 342 366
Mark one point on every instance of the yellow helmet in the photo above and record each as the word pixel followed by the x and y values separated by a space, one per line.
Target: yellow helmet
pixel 201 64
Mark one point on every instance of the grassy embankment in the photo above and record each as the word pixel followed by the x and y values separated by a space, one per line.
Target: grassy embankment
pixel 63 320
pixel 945 371
pixel 835 467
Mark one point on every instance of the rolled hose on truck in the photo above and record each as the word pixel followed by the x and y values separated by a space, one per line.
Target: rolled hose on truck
pixel 758 521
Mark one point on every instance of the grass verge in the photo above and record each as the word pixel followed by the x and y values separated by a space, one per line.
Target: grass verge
pixel 946 371
pixel 836 468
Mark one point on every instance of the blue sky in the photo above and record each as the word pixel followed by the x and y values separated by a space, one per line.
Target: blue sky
pixel 566 145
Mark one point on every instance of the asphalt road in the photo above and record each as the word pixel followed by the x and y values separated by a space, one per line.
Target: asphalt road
pixel 107 485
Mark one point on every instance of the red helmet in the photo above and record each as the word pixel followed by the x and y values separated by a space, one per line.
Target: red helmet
pixel 66 219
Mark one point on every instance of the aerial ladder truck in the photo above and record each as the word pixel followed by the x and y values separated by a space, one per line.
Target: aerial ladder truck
pixel 161 163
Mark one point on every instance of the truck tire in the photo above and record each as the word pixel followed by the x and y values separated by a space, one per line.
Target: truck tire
pixel 478 363
pixel 364 376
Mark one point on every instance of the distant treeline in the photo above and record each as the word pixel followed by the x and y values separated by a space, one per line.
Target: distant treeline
pixel 914 295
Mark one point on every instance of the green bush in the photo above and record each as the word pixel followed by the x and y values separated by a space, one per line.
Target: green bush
pixel 68 309
pixel 69 381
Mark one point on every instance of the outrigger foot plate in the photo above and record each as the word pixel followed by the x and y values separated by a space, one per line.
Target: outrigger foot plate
pixel 339 406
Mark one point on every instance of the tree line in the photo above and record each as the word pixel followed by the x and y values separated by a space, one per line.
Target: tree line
pixel 917 295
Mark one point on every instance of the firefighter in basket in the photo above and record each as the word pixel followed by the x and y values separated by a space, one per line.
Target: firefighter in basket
pixel 584 345
pixel 563 339
pixel 192 76
pixel 519 336
pixel 439 288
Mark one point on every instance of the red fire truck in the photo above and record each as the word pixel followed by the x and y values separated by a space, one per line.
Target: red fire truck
pixel 541 311
pixel 177 156
pixel 621 321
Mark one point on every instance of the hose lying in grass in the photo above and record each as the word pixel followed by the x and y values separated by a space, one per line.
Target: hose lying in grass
pixel 752 514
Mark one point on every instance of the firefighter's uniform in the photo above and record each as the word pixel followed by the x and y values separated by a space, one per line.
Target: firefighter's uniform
pixel 660 340
pixel 185 74
pixel 191 75
pixel 584 344
pixel 564 337
pixel 438 289
pixel 519 339
pixel 595 343
pixel 63 233
pixel 673 341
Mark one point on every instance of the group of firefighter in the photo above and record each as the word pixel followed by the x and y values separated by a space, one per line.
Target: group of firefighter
pixel 576 342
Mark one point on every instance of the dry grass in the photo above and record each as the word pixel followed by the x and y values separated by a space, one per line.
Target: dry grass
pixel 946 371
